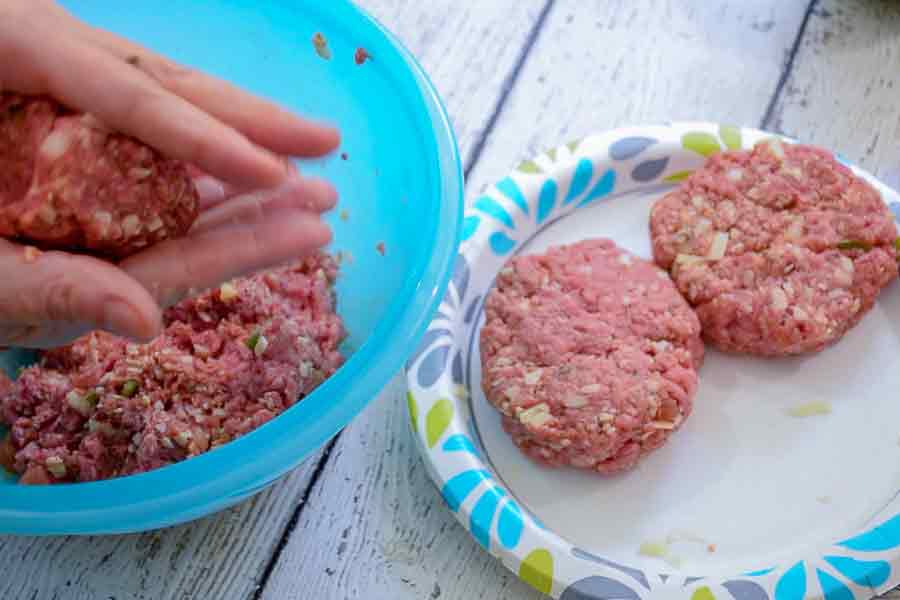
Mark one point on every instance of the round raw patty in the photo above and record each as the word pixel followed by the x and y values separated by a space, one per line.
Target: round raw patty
pixel 590 354
pixel 67 182
pixel 780 249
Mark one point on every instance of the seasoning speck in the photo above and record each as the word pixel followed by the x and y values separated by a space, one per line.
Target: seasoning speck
pixel 321 46
pixel 854 245
pixel 345 215
pixel 129 388
pixel 381 248
pixel 343 156
pixel 252 341
pixel 362 55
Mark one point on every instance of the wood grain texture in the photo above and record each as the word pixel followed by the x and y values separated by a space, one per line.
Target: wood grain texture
pixel 844 92
pixel 221 556
pixel 637 62
pixel 375 526
pixel 844 89
pixel 469 50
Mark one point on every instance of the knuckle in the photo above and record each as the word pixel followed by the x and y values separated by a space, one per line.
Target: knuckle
pixel 170 75
pixel 57 299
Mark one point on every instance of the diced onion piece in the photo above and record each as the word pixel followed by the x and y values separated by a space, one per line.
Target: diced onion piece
pixel 719 246
pixel 810 409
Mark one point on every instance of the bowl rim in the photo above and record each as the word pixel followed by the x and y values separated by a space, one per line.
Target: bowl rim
pixel 228 474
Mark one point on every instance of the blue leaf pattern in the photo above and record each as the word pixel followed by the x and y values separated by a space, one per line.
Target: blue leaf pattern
pixel 580 180
pixel 792 585
pixel 483 515
pixel 603 188
pixel 546 201
pixel 470 225
pixel 862 573
pixel 508 188
pixel 882 537
pixel 832 589
pixel 457 489
pixel 500 243
pixel 510 525
pixel 491 207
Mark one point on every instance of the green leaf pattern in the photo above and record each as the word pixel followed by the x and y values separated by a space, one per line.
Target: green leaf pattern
pixel 437 421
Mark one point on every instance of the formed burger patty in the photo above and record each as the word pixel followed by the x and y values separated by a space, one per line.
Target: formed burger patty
pixel 780 249
pixel 590 354
pixel 227 362
pixel 67 182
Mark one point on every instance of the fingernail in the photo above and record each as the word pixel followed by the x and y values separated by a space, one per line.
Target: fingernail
pixel 120 318
pixel 209 187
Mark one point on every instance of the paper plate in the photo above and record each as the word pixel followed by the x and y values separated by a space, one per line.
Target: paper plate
pixel 757 504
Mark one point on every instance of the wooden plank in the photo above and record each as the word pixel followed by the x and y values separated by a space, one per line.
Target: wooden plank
pixel 375 526
pixel 221 556
pixel 637 62
pixel 843 89
pixel 225 556
pixel 469 50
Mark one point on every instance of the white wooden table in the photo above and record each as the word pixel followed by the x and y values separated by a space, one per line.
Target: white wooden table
pixel 361 520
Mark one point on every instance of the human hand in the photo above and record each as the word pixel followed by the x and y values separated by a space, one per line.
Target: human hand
pixel 48 299
pixel 236 139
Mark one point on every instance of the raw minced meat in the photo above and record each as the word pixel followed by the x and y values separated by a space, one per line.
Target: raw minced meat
pixel 228 361
pixel 67 182
pixel 780 249
pixel 590 354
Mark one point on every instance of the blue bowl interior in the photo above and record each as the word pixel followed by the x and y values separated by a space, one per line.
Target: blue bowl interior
pixel 401 185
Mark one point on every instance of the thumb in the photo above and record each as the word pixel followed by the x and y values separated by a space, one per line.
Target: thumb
pixel 48 299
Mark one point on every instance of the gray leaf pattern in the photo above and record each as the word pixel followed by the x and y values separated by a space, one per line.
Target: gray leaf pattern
pixel 599 588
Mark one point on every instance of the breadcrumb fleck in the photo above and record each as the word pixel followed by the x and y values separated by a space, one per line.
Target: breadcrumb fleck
pixel 31 254
pixel 345 215
pixel 321 46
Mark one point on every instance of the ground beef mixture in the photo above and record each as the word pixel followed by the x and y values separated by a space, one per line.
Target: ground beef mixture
pixel 228 361
pixel 590 354
pixel 780 249
pixel 67 182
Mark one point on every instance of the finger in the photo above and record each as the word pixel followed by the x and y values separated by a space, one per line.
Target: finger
pixel 212 191
pixel 130 101
pixel 314 195
pixel 262 121
pixel 54 295
pixel 171 269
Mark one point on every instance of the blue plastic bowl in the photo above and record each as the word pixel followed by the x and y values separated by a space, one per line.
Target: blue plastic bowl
pixel 401 184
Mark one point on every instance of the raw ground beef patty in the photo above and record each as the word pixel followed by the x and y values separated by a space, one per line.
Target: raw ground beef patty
pixel 590 354
pixel 67 182
pixel 227 362
pixel 781 249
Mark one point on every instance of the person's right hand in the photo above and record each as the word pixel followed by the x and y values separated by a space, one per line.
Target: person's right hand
pixel 232 136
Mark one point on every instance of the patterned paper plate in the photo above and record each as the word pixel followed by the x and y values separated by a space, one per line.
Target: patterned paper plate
pixel 756 504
